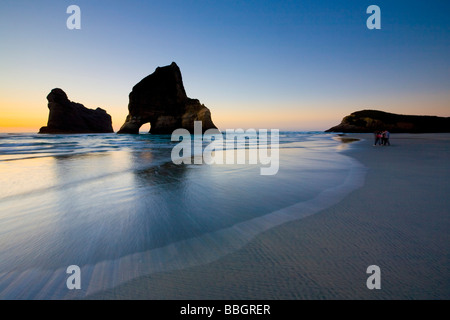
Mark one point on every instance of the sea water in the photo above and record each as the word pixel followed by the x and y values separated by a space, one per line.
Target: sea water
pixel 119 208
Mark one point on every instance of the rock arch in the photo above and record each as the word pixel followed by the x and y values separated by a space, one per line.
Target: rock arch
pixel 160 99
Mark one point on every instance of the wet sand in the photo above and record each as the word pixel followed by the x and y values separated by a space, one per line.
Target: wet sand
pixel 399 220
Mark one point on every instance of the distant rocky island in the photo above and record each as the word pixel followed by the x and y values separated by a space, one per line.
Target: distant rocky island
pixel 67 117
pixel 374 120
pixel 160 99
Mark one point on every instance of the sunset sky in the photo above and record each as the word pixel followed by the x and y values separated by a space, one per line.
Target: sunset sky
pixel 291 65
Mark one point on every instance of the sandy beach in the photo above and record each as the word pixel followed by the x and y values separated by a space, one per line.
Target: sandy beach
pixel 399 220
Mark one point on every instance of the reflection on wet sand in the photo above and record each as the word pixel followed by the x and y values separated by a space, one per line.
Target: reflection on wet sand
pixel 122 214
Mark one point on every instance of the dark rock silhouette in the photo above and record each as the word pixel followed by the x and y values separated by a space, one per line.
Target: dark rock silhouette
pixel 70 117
pixel 160 99
pixel 374 120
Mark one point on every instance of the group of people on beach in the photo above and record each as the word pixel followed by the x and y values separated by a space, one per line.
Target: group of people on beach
pixel 382 138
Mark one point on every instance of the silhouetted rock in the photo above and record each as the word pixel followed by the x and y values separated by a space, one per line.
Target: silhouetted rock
pixel 373 120
pixel 70 117
pixel 160 99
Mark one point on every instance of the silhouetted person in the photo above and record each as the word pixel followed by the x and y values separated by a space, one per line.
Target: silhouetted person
pixel 377 138
pixel 386 136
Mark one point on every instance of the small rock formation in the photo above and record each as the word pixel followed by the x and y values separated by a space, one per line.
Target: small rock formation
pixel 160 99
pixel 374 120
pixel 70 117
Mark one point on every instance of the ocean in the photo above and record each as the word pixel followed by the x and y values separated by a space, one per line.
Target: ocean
pixel 118 207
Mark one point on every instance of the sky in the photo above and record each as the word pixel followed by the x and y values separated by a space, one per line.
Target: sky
pixel 288 65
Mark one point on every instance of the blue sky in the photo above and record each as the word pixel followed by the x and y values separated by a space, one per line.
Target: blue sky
pixel 296 65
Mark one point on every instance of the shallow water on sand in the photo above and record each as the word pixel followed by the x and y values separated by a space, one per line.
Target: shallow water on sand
pixel 116 206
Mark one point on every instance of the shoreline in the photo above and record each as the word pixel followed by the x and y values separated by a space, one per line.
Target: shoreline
pixel 398 220
pixel 193 237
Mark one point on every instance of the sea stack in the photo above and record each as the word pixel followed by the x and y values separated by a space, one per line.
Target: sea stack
pixel 374 120
pixel 160 99
pixel 67 117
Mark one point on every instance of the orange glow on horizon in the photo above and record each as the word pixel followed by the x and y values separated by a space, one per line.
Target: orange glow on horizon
pixel 29 113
